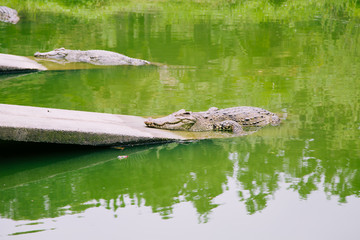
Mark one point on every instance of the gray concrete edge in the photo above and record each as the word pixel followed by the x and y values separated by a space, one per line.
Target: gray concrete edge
pixel 73 137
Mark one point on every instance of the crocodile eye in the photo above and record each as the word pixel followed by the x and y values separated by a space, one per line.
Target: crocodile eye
pixel 186 113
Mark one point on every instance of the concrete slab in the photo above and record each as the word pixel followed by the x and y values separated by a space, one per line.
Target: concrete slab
pixel 12 63
pixel 48 125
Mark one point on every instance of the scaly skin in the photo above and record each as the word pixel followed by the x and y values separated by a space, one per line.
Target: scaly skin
pixel 97 57
pixel 214 119
pixel 8 15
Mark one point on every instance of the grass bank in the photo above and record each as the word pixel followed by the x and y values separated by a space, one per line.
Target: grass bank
pixel 250 10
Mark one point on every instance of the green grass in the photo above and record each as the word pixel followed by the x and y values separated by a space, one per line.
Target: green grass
pixel 250 10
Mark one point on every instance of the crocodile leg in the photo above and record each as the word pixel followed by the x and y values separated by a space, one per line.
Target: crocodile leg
pixel 228 125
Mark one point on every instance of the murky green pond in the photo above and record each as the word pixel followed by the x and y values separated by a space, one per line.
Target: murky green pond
pixel 300 180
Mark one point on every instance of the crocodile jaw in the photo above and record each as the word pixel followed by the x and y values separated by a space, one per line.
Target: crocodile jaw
pixel 179 124
pixel 57 54
pixel 180 120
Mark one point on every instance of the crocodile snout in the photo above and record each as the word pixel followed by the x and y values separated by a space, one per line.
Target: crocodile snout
pixel 148 122
pixel 42 55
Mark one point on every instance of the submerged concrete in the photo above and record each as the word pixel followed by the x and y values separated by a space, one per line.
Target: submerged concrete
pixel 47 125
pixel 12 63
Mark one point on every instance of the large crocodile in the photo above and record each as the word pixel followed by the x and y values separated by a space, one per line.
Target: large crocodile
pixel 97 57
pixel 228 119
pixel 8 15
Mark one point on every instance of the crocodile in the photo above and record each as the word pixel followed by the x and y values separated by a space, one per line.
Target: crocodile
pixel 96 57
pixel 8 15
pixel 228 119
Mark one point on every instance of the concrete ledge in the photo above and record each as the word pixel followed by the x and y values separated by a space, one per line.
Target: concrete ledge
pixel 12 63
pixel 34 124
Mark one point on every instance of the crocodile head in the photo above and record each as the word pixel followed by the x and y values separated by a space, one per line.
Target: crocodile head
pixel 59 53
pixel 180 120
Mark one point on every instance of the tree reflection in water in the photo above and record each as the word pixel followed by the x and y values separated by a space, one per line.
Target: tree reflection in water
pixel 161 176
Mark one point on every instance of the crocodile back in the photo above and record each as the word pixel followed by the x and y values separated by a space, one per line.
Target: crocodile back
pixel 247 116
pixel 8 15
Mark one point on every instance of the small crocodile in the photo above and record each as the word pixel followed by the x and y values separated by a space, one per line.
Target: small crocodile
pixel 214 119
pixel 8 15
pixel 96 57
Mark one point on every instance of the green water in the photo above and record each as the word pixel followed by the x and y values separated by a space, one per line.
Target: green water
pixel 300 180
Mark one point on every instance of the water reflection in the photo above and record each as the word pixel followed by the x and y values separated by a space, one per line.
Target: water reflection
pixel 306 70
pixel 161 176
